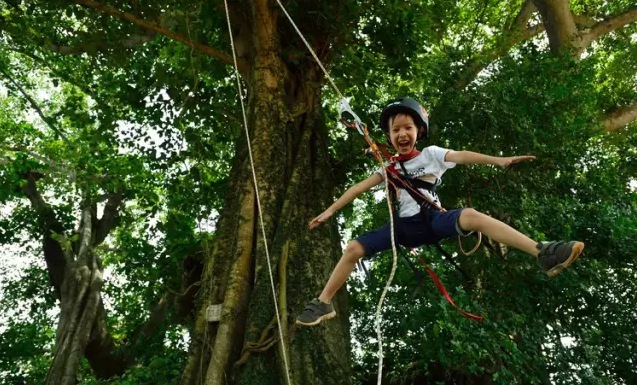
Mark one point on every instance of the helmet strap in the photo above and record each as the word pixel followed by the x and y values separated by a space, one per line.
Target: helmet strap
pixel 421 132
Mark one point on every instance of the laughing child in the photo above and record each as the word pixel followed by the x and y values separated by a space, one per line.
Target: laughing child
pixel 404 121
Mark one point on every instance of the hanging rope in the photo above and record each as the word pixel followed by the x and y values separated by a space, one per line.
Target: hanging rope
pixel 391 277
pixel 256 190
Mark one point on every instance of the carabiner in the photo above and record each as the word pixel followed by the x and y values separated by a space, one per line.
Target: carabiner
pixel 344 108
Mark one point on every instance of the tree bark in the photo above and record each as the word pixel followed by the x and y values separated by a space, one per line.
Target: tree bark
pixel 293 177
pixel 619 118
pixel 560 25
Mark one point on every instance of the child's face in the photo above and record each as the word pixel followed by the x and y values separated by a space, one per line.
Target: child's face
pixel 403 133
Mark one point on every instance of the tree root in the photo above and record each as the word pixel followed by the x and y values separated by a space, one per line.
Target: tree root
pixel 263 344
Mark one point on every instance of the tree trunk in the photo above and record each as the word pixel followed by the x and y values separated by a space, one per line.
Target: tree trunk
pixel 80 300
pixel 77 284
pixel 80 303
pixel 290 153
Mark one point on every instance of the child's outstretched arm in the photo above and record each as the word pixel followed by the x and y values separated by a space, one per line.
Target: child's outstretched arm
pixel 469 157
pixel 347 197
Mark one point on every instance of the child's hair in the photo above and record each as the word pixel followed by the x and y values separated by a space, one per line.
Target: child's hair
pixel 392 117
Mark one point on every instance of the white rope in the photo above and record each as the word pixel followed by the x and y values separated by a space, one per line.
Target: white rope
pixel 391 277
pixel 256 190
pixel 340 95
pixel 391 216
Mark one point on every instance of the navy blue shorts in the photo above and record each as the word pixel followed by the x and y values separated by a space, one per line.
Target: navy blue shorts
pixel 412 232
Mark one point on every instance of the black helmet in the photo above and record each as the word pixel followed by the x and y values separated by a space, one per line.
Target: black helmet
pixel 406 106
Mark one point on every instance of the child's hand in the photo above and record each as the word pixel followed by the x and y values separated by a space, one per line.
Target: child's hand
pixel 509 160
pixel 321 218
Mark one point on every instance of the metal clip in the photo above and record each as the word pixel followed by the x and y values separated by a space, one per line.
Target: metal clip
pixel 344 108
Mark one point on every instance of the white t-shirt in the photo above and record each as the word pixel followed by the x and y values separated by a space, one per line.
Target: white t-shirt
pixel 429 166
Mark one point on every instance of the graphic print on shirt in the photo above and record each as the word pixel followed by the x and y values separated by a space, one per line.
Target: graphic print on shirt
pixel 429 166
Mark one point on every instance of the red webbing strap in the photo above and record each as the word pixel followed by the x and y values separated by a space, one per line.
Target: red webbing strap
pixel 443 291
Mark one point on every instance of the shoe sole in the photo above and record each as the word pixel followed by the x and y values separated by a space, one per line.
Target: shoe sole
pixel 578 247
pixel 319 320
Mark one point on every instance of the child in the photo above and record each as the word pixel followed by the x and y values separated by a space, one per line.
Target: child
pixel 405 121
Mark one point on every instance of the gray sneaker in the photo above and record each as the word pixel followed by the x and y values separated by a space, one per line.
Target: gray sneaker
pixel 557 256
pixel 316 312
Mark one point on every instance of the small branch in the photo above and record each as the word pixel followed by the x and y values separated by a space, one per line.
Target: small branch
pixel 161 30
pixel 198 283
pixel 57 168
pixel 510 37
pixel 34 105
pixel 616 119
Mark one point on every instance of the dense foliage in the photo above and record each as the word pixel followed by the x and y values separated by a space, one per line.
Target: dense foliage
pixel 93 106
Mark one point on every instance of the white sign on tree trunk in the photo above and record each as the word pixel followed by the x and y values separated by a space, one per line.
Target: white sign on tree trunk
pixel 213 313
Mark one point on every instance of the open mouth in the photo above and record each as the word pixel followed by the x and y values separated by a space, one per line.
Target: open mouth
pixel 404 145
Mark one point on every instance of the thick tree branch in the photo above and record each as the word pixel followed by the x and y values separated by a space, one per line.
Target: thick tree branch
pixel 109 218
pixel 511 36
pixel 128 42
pixel 107 361
pixel 161 30
pixel 559 24
pixel 608 25
pixel 34 105
pixel 100 350
pixel 488 55
pixel 56 258
pixel 520 20
pixel 37 202
pixel 619 118
pixel 86 235
pixel 584 21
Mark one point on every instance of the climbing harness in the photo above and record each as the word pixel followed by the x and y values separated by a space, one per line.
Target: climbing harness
pixel 413 186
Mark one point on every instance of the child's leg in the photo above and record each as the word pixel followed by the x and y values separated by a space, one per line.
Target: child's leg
pixel 321 309
pixel 369 243
pixel 552 256
pixel 472 220
pixel 353 252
